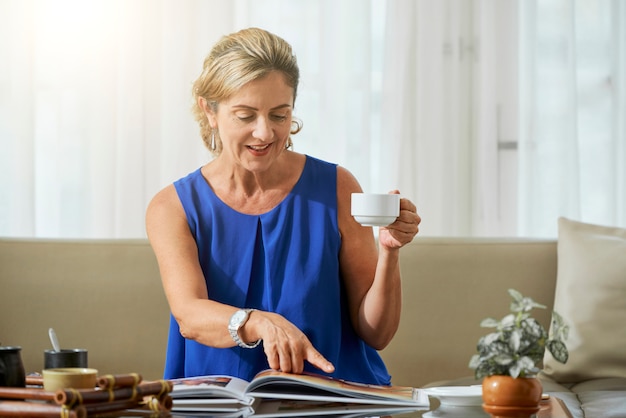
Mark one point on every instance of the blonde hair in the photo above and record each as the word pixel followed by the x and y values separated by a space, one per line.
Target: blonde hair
pixel 234 61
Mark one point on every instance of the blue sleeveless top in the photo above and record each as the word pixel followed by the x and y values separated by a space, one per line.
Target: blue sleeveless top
pixel 284 261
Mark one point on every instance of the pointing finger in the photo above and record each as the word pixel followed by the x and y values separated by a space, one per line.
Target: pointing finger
pixel 316 359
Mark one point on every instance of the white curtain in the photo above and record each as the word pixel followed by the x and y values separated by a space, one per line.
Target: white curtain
pixel 419 95
pixel 95 100
pixel 95 109
pixel 440 112
pixel 573 113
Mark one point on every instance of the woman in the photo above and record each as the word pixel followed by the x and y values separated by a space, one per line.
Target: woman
pixel 261 262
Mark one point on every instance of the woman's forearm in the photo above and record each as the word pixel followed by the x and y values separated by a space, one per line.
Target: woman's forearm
pixel 379 314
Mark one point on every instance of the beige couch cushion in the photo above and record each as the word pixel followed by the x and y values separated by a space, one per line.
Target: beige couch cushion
pixel 591 297
pixel 449 286
pixel 102 295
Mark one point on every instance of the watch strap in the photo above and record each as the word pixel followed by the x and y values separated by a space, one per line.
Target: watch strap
pixel 234 331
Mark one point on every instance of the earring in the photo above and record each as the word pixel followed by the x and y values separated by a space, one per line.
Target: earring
pixel 213 146
pixel 288 144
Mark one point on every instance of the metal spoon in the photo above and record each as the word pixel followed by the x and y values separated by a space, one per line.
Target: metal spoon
pixel 54 340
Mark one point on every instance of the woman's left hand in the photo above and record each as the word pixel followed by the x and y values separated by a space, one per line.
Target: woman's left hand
pixel 404 229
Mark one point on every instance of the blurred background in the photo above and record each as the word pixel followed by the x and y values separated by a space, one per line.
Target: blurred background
pixel 494 116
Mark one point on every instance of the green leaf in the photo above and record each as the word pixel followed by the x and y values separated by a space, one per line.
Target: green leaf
pixel 517 296
pixel 534 328
pixel 515 370
pixel 558 350
pixel 515 340
pixel 521 303
pixel 503 359
pixel 526 363
pixel 490 338
pixel 522 367
pixel 489 323
pixel 507 322
pixel 474 361
pixel 558 330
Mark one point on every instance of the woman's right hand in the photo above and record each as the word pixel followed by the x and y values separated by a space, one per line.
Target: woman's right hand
pixel 285 346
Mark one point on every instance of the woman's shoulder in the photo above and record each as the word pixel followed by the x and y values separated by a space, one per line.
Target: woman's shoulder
pixel 163 206
pixel 168 197
pixel 163 198
pixel 347 182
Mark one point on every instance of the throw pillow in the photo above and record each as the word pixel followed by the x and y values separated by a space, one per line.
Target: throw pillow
pixel 591 297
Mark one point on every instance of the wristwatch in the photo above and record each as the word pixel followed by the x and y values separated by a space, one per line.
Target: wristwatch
pixel 237 321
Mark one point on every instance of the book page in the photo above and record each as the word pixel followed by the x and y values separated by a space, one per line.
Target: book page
pixel 273 384
pixel 289 408
pixel 206 387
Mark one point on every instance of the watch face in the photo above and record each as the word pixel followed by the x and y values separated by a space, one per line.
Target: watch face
pixel 237 317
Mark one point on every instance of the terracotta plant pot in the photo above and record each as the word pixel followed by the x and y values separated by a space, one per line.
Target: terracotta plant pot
pixel 505 396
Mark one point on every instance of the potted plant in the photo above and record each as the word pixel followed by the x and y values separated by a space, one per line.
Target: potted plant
pixel 508 358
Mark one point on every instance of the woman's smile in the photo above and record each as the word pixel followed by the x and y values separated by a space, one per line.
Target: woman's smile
pixel 259 150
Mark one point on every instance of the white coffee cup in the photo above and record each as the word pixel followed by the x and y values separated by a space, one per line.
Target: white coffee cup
pixel 372 209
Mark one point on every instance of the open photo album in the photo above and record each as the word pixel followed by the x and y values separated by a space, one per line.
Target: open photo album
pixel 274 393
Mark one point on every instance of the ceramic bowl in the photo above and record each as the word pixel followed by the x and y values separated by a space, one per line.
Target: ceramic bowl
pixel 69 377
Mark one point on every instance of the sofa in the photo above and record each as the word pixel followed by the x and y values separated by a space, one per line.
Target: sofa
pixel 102 295
pixel 106 296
